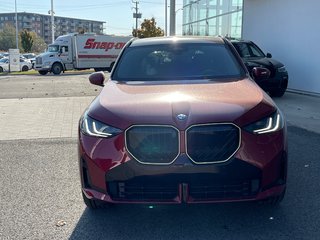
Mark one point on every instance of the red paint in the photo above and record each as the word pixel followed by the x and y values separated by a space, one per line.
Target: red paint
pixel 240 102
pixel 92 44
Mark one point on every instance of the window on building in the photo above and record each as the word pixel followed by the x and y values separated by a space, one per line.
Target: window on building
pixel 202 12
pixel 212 2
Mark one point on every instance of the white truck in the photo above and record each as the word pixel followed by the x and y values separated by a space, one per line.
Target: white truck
pixel 80 51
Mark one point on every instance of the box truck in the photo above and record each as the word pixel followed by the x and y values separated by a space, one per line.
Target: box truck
pixel 80 51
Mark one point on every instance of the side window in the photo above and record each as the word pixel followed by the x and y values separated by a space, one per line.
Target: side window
pixel 64 49
pixel 255 53
pixel 243 50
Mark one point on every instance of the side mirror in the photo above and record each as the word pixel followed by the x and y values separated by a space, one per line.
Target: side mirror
pixel 260 73
pixel 97 78
pixel 269 55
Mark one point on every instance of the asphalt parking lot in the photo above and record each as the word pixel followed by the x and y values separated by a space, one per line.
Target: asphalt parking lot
pixel 40 188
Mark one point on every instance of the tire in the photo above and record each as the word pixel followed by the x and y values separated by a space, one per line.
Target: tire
pixel 276 200
pixel 25 68
pixel 1 69
pixel 90 203
pixel 43 72
pixel 278 93
pixel 56 68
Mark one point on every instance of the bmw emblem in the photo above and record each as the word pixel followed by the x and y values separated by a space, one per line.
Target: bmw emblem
pixel 181 116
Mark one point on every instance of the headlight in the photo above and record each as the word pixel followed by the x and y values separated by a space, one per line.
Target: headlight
pixel 92 127
pixel 269 124
pixel 282 69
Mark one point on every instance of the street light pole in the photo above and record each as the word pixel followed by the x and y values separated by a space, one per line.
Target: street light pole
pixel 165 17
pixel 17 39
pixel 172 17
pixel 52 21
pixel 136 17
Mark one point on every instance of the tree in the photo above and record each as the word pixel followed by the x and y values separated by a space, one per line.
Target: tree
pixel 81 30
pixel 148 29
pixel 8 37
pixel 26 40
pixel 39 44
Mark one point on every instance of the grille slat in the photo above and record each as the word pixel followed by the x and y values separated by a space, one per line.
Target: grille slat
pixel 211 143
pixel 128 191
pixel 223 191
pixel 233 180
pixel 207 143
pixel 38 60
pixel 153 144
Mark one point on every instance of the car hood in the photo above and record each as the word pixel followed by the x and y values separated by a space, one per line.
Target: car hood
pixel 47 54
pixel 264 62
pixel 124 104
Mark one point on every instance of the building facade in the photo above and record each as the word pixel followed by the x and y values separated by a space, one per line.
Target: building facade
pixel 289 30
pixel 212 17
pixel 41 24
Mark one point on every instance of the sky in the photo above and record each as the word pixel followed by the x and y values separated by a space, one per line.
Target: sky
pixel 118 15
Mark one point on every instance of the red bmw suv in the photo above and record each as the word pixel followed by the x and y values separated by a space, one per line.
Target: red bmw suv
pixel 181 121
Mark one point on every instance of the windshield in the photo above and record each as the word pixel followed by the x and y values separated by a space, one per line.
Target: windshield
pixel 177 61
pixel 53 48
pixel 3 60
pixel 248 50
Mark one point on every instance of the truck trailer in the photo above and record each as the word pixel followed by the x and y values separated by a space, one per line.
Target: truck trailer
pixel 80 51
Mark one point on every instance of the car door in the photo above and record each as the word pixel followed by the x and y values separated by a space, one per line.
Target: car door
pixel 65 54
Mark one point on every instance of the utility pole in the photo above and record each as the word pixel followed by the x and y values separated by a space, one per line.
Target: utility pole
pixel 136 15
pixel 172 17
pixel 52 21
pixel 17 39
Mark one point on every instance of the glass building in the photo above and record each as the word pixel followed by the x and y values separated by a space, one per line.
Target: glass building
pixel 212 17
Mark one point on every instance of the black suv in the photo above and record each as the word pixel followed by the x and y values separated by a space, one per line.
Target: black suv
pixel 253 56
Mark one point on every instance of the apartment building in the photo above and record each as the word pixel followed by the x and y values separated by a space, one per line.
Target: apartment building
pixel 41 24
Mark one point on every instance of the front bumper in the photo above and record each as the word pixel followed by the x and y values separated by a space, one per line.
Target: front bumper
pixel 42 68
pixel 279 81
pixel 257 171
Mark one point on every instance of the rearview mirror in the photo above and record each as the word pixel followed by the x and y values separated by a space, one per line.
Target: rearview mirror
pixel 97 78
pixel 260 73
pixel 269 55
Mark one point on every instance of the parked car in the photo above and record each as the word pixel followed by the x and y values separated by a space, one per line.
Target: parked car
pixel 3 55
pixel 253 56
pixel 31 57
pixel 25 65
pixel 180 120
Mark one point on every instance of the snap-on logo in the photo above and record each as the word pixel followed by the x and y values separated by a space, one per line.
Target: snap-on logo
pixel 92 44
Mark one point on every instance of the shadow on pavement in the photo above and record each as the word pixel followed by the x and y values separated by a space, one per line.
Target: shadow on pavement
pixel 219 221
